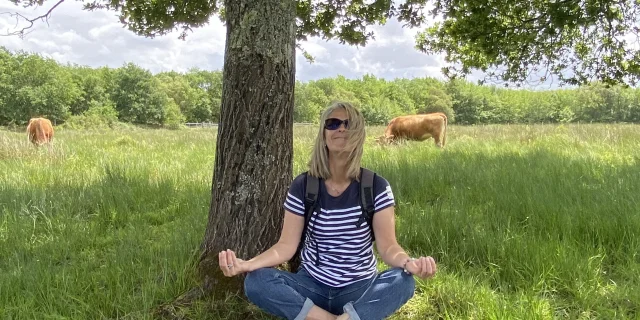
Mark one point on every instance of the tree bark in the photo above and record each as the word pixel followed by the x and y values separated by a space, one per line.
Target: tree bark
pixel 254 148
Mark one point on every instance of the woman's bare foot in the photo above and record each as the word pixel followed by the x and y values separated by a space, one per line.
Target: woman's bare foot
pixel 317 313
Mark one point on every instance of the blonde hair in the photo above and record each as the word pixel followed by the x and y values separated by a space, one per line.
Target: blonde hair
pixel 319 163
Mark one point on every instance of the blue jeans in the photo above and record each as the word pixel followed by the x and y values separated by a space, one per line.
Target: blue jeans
pixel 291 295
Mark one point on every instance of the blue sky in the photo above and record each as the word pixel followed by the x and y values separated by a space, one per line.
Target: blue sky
pixel 98 39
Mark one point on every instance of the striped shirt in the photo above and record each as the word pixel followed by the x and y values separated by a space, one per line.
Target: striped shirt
pixel 337 252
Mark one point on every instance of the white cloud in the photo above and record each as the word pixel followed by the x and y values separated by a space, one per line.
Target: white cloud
pixel 96 38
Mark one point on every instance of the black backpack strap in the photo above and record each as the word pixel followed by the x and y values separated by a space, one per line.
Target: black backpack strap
pixel 312 185
pixel 310 197
pixel 367 198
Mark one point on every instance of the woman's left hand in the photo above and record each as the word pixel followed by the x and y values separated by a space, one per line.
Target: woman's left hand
pixel 423 267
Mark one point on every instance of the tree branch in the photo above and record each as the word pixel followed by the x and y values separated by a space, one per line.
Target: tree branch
pixel 21 33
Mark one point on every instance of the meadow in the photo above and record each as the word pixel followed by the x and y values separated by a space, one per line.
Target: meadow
pixel 524 221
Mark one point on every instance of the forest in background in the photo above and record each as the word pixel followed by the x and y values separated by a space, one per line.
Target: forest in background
pixel 79 96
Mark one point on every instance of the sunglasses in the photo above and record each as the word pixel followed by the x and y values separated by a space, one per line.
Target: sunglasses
pixel 334 124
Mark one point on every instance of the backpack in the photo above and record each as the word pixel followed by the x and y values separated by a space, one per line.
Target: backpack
pixel 311 202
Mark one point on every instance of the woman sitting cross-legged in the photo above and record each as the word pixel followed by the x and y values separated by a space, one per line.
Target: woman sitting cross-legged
pixel 337 278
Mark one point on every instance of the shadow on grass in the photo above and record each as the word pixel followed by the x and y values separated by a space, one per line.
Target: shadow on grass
pixel 517 219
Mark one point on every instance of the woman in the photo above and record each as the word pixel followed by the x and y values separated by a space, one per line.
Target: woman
pixel 337 278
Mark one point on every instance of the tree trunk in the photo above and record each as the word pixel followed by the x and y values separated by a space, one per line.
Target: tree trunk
pixel 254 149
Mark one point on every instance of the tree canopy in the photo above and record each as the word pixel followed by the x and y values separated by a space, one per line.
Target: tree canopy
pixel 578 41
pixel 575 41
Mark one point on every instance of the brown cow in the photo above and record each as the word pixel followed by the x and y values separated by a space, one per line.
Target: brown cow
pixel 417 127
pixel 39 131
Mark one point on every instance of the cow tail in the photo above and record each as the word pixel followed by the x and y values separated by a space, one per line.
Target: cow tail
pixel 29 134
pixel 444 134
pixel 40 134
pixel 444 138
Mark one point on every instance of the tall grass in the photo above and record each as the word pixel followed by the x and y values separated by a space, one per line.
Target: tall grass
pixel 525 222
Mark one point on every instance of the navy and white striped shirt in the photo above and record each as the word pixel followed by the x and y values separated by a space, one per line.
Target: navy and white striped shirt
pixel 337 252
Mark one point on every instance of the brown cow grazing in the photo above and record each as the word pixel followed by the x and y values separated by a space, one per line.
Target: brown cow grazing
pixel 417 127
pixel 40 131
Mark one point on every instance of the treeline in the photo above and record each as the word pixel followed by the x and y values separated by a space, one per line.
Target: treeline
pixel 76 96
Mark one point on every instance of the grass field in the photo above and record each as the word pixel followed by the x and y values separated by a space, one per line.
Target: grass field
pixel 525 222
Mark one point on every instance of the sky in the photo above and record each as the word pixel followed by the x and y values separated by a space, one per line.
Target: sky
pixel 96 38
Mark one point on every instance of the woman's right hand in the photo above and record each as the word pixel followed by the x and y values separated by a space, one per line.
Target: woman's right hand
pixel 230 265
